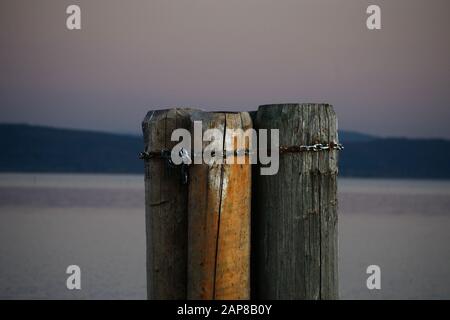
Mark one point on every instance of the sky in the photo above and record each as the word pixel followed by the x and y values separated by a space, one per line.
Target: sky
pixel 133 56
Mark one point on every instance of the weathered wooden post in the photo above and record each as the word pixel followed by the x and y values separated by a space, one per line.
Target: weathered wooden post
pixel 295 211
pixel 219 215
pixel 165 207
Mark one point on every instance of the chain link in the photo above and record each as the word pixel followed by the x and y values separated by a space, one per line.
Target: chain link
pixel 314 147
pixel 166 155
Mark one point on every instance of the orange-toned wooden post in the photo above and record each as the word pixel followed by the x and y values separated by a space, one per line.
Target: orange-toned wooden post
pixel 219 201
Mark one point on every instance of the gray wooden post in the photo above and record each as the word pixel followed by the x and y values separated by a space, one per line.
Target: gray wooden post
pixel 295 211
pixel 165 208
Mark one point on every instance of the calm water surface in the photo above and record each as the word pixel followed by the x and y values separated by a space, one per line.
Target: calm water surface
pixel 48 222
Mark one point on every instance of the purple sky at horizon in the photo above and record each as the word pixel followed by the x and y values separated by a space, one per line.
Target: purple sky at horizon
pixel 138 55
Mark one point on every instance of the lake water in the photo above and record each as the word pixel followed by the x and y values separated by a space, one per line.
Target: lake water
pixel 50 221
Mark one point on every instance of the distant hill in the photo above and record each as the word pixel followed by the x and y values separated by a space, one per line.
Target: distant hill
pixel 26 148
pixel 399 158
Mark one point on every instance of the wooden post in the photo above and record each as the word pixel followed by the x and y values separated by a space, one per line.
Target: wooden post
pixel 219 218
pixel 295 211
pixel 165 208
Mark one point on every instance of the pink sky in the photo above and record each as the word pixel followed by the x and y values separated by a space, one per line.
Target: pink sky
pixel 132 56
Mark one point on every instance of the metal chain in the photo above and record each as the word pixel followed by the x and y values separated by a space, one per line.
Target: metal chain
pixel 186 159
pixel 166 155
pixel 314 147
pixel 184 154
